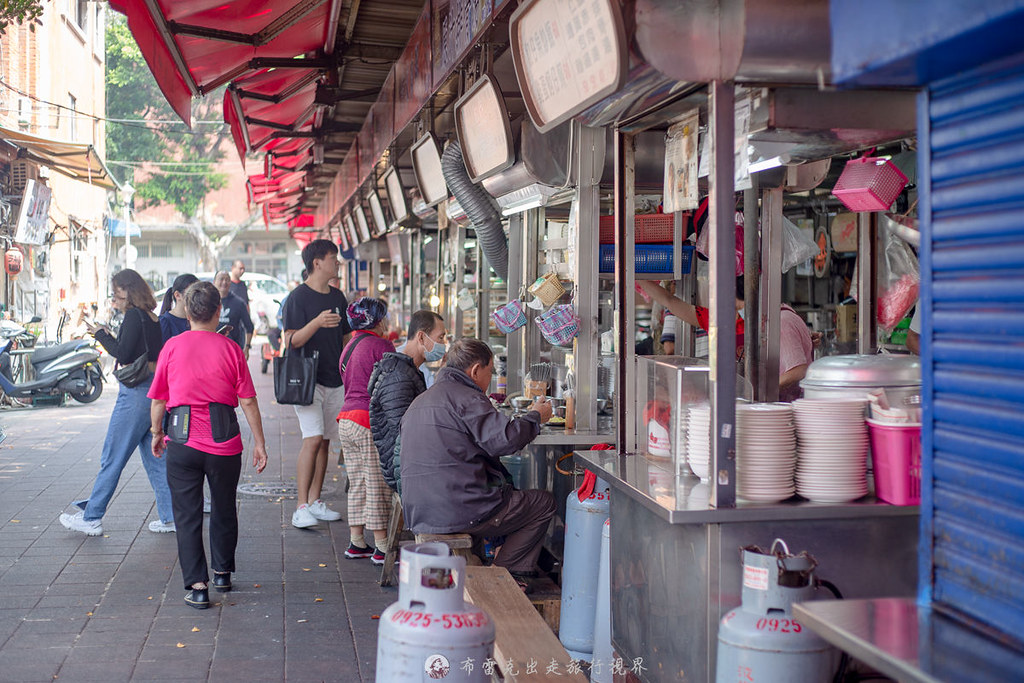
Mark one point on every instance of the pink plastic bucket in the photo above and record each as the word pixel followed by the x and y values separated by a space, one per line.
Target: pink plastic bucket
pixel 896 451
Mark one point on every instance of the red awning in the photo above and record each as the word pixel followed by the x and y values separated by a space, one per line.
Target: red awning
pixel 195 46
pixel 272 105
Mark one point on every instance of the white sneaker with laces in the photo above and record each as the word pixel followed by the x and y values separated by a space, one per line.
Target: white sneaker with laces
pixel 76 522
pixel 319 509
pixel 303 518
pixel 158 527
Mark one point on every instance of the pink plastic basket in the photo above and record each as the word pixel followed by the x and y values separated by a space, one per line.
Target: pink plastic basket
pixel 896 452
pixel 869 184
pixel 510 317
pixel 559 325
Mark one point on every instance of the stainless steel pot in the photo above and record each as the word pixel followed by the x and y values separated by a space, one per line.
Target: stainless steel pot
pixel 854 375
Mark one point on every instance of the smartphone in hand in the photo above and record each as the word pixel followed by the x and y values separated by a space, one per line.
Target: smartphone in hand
pixel 225 329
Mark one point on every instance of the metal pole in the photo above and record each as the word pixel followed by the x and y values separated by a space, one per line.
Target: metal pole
pixel 514 342
pixel 770 323
pixel 865 283
pixel 625 264
pixel 588 213
pixel 722 335
pixel 129 257
pixel 751 273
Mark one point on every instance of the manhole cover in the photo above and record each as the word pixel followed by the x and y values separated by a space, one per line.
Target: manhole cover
pixel 276 489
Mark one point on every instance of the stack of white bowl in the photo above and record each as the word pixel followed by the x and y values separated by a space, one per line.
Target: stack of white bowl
pixel 832 450
pixel 698 440
pixel 765 452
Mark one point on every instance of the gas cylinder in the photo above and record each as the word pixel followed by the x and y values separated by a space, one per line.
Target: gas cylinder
pixel 585 513
pixel 603 615
pixel 760 640
pixel 432 633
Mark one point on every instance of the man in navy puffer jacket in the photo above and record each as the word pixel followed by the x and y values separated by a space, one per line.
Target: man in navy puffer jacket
pixel 395 382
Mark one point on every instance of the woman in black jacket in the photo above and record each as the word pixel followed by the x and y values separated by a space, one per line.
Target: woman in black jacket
pixel 395 382
pixel 129 422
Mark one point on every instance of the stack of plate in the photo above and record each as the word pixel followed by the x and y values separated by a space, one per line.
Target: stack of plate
pixel 832 449
pixel 765 452
pixel 698 440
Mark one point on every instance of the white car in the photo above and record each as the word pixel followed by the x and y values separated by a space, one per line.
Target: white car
pixel 265 294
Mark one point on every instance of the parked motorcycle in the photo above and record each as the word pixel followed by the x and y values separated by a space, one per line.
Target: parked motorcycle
pixel 71 368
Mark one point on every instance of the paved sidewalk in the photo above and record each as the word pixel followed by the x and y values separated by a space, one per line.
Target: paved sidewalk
pixel 110 608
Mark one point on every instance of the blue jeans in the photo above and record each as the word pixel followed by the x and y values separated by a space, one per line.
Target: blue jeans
pixel 128 430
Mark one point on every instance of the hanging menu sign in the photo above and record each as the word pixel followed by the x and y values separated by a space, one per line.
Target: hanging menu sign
pixel 364 228
pixel 680 192
pixel 377 211
pixel 568 55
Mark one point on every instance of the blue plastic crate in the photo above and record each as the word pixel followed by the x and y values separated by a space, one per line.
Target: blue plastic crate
pixel 650 258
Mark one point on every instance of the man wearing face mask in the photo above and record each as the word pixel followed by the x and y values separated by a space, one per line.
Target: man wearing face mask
pixel 395 382
pixel 796 349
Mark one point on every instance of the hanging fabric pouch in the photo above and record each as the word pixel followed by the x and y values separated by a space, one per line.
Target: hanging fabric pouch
pixel 510 317
pixel 559 325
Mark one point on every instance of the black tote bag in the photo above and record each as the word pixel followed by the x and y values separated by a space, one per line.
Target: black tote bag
pixel 295 377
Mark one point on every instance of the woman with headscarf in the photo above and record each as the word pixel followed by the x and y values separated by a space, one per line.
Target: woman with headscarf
pixel 200 379
pixel 369 498
pixel 172 313
pixel 128 430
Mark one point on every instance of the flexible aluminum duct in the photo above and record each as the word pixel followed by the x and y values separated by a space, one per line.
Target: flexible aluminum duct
pixel 477 205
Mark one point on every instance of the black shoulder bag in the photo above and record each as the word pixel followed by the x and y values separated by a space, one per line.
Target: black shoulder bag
pixel 136 372
pixel 295 376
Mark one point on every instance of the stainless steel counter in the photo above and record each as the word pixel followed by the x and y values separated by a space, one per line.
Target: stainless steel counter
pixel 910 643
pixel 684 499
pixel 559 436
pixel 676 569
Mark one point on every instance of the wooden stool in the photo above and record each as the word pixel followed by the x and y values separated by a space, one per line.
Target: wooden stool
pixel 460 544
pixel 396 523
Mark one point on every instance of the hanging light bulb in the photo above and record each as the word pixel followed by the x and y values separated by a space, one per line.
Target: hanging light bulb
pixel 435 301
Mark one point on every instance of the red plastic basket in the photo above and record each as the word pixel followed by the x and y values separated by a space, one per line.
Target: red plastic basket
pixel 869 184
pixel 896 453
pixel 648 228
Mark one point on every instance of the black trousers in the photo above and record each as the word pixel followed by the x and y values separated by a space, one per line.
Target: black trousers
pixel 523 522
pixel 186 468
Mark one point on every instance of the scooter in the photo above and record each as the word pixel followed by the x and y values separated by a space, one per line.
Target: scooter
pixel 272 347
pixel 71 368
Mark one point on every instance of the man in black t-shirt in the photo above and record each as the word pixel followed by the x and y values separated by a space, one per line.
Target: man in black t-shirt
pixel 234 312
pixel 314 320
pixel 238 287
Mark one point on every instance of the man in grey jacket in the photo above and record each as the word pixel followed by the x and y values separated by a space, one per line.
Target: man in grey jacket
pixel 452 478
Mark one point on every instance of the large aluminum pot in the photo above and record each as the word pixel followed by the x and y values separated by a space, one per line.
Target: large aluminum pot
pixel 854 375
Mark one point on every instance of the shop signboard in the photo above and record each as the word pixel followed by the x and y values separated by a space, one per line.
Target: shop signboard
pixel 426 162
pixel 32 225
pixel 413 77
pixel 364 228
pixel 377 211
pixel 568 55
pixel 384 118
pixel 481 121
pixel 350 227
pixel 456 26
pixel 396 195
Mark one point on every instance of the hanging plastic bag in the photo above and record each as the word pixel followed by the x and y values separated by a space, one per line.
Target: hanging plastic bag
pixel 702 242
pixel 899 280
pixel 797 246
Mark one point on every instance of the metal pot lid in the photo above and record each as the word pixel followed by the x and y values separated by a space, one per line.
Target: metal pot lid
pixel 876 370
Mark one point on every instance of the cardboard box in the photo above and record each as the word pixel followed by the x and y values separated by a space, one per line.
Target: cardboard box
pixel 846 323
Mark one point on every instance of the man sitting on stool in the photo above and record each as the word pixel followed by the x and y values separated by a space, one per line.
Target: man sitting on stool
pixel 452 478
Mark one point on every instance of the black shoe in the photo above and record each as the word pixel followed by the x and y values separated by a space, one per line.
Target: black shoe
pixel 198 598
pixel 222 581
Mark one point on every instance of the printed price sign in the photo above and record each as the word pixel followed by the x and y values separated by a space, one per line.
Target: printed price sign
pixel 568 55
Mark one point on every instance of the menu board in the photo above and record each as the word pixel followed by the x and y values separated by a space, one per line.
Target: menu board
pixel 568 55
pixel 32 227
pixel 426 162
pixel 484 131
pixel 345 245
pixel 377 211
pixel 364 228
pixel 351 228
pixel 396 195
pixel 680 192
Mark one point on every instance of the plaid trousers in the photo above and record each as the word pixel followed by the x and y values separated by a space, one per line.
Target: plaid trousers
pixel 369 498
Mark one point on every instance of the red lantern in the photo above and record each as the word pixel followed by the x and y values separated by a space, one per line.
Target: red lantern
pixel 13 260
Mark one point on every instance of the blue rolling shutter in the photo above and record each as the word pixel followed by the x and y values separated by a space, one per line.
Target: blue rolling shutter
pixel 972 153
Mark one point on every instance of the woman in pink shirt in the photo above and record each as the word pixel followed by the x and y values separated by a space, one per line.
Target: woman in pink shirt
pixel 201 377
pixel 369 498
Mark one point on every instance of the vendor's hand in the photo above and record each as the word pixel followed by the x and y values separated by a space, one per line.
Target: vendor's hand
pixel 816 339
pixel 542 406
pixel 259 457
pixel 328 318
pixel 158 444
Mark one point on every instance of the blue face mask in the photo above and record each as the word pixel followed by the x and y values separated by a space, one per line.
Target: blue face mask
pixel 436 352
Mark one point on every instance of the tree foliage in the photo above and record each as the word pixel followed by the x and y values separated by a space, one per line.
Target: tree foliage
pixel 188 158
pixel 18 12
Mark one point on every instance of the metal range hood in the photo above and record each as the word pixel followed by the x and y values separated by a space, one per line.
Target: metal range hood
pixel 542 170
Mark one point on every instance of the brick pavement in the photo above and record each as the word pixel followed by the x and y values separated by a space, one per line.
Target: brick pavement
pixel 77 608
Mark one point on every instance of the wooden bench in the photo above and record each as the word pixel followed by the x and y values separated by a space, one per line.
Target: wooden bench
pixel 460 544
pixel 396 524
pixel 521 634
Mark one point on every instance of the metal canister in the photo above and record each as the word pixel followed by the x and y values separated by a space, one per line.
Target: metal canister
pixel 760 640
pixel 603 651
pixel 432 633
pixel 584 520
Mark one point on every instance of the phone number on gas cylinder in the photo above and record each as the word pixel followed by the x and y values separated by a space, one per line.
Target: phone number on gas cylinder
pixel 421 619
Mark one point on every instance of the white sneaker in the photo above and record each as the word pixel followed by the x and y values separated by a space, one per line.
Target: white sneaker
pixel 319 509
pixel 158 527
pixel 76 522
pixel 303 518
